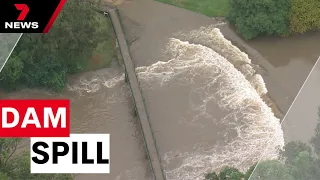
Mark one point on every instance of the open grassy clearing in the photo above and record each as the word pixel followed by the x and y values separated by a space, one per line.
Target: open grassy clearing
pixel 212 8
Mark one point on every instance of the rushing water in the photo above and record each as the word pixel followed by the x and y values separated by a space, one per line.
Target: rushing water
pixel 101 103
pixel 206 104
pixel 206 108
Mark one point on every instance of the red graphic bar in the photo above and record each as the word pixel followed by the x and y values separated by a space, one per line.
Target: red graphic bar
pixel 34 118
pixel 54 16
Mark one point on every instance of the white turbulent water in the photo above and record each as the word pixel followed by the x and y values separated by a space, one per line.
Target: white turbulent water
pixel 237 92
pixel 212 37
pixel 93 84
pixel 227 78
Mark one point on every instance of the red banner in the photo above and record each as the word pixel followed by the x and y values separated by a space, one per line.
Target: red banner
pixel 35 118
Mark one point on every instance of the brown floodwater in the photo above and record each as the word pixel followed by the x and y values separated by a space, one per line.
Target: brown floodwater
pixel 281 51
pixel 101 103
pixel 203 111
pixel 202 93
pixel 198 121
pixel 291 59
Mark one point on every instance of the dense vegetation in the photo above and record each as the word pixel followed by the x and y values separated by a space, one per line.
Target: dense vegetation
pixel 7 42
pixel 17 167
pixel 253 18
pixel 44 60
pixel 301 161
pixel 305 15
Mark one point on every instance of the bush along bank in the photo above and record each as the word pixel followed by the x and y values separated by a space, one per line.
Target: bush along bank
pixel 299 160
pixel 80 40
pixel 304 16
pixel 253 18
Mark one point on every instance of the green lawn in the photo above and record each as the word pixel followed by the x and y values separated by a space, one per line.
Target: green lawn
pixel 105 51
pixel 212 8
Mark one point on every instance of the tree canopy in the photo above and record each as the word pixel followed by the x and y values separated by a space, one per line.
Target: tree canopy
pixel 253 18
pixel 304 16
pixel 299 161
pixel 17 166
pixel 44 60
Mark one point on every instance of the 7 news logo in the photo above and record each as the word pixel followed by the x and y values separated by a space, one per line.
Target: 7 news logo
pixel 20 24
pixel 29 16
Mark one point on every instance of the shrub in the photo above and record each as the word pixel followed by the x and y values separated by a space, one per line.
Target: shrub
pixel 249 172
pixel 260 17
pixel 211 176
pixel 230 173
pixel 44 60
pixel 304 16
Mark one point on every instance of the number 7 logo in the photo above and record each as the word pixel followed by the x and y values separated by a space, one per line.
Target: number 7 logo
pixel 24 11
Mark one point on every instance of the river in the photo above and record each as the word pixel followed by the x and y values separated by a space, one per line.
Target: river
pixel 101 103
pixel 206 99
pixel 206 106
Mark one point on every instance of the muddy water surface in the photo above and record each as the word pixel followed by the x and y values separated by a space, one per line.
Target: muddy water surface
pixel 203 94
pixel 205 105
pixel 101 103
pixel 292 59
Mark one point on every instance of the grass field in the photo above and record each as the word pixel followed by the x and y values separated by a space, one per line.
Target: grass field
pixel 212 8
pixel 105 51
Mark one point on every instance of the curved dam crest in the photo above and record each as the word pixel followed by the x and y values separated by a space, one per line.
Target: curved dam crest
pixel 205 103
pixel 208 77
pixel 220 99
pixel 222 88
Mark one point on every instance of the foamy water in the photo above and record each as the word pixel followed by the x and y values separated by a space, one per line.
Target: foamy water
pixel 217 72
pixel 98 81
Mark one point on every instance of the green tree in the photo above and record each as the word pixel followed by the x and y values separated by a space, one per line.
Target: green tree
pixel 11 73
pixel 3 176
pixel 212 176
pixel 293 149
pixel 249 172
pixel 271 170
pixel 7 42
pixel 7 148
pixel 315 141
pixel 300 162
pixel 44 60
pixel 305 15
pixel 305 167
pixel 253 18
pixel 230 173
pixel 17 167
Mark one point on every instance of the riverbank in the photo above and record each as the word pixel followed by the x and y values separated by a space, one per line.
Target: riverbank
pixel 149 36
pixel 105 51
pixel 211 8
pixel 101 102
pixel 188 124
pixel 183 93
pixel 85 46
pixel 103 54
pixel 292 17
